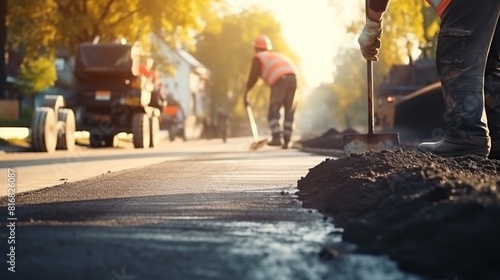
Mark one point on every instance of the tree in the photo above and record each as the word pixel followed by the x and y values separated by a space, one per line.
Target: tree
pixel 225 47
pixel 409 25
pixel 47 25
pixel 349 89
pixel 36 75
pixel 3 39
pixel 39 28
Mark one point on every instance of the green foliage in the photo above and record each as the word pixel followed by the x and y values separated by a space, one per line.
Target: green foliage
pixel 48 24
pixel 408 25
pixel 225 47
pixel 36 75
pixel 349 89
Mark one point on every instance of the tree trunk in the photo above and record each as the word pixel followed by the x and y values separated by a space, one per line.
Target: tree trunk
pixel 3 39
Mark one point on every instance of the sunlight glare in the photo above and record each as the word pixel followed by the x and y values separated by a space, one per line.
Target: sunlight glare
pixel 314 30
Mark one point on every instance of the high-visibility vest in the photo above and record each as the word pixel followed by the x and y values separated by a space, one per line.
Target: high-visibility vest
pixel 439 5
pixel 274 66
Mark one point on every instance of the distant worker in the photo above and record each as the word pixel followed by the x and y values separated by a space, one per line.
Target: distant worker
pixel 223 124
pixel 174 118
pixel 468 62
pixel 147 70
pixel 278 72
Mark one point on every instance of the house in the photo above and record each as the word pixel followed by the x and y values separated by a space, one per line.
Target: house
pixel 188 85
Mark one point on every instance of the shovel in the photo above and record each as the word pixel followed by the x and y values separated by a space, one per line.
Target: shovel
pixel 359 143
pixel 256 142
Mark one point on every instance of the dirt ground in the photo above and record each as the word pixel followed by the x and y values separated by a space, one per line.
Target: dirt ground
pixel 432 215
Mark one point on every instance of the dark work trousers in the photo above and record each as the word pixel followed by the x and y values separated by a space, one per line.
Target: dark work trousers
pixel 468 60
pixel 282 95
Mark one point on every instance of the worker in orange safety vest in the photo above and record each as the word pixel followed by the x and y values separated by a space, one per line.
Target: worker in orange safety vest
pixel 468 61
pixel 278 72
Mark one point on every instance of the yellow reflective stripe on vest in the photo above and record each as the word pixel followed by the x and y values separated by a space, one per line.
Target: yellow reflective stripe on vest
pixel 274 66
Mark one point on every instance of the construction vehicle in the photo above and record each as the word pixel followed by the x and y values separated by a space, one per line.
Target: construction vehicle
pixel 417 116
pixel 111 95
pixel 411 102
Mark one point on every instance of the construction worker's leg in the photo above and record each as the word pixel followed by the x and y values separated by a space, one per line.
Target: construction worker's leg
pixel 291 86
pixel 463 43
pixel 492 93
pixel 275 103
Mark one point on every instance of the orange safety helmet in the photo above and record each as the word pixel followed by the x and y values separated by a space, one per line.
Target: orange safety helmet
pixel 263 42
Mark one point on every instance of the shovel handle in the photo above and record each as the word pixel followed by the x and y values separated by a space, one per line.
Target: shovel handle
pixel 369 79
pixel 253 125
pixel 369 76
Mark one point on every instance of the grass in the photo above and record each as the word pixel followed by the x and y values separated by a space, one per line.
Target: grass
pixel 15 123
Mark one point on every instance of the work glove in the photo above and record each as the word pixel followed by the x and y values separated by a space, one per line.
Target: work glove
pixel 369 39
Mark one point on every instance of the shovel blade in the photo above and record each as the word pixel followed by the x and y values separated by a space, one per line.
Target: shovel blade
pixel 359 143
pixel 257 145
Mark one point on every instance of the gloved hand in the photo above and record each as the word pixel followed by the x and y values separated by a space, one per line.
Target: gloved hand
pixel 369 39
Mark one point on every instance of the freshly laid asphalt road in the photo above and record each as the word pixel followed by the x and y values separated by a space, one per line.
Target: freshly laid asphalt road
pixel 207 210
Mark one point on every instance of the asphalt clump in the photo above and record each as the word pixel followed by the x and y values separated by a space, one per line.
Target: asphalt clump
pixel 432 215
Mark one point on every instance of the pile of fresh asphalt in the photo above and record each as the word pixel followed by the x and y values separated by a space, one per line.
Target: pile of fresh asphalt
pixel 331 139
pixel 432 215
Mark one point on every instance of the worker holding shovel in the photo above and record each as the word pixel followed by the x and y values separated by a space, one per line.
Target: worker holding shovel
pixel 278 72
pixel 468 60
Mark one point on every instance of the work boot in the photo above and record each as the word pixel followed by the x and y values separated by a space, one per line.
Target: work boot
pixel 286 140
pixel 448 149
pixel 275 141
pixel 285 145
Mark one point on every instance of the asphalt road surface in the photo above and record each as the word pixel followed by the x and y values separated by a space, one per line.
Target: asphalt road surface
pixel 203 210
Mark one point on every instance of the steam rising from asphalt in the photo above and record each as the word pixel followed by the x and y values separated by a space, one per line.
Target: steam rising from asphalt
pixel 316 114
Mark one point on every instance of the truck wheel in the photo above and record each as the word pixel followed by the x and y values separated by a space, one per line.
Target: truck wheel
pixel 172 132
pixel 140 130
pixel 109 141
pixel 66 130
pixel 96 139
pixel 154 131
pixel 43 130
pixel 80 117
pixel 53 101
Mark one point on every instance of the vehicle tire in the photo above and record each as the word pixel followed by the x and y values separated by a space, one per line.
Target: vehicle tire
pixel 172 132
pixel 96 140
pixel 140 130
pixel 182 134
pixel 66 130
pixel 43 130
pixel 80 117
pixel 109 141
pixel 154 129
pixel 53 101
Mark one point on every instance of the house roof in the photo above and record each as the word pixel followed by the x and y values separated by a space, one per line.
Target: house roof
pixel 191 60
pixel 186 56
